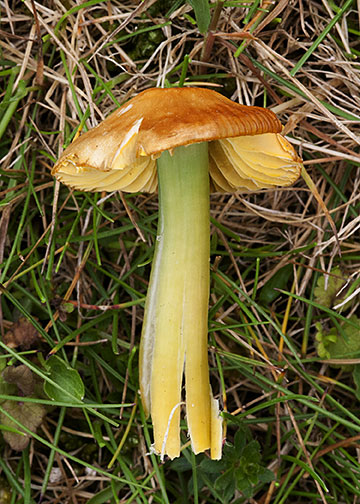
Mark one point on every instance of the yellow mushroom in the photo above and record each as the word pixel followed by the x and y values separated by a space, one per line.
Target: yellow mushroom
pixel 183 142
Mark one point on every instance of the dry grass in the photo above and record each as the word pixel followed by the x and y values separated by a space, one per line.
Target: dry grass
pixel 70 63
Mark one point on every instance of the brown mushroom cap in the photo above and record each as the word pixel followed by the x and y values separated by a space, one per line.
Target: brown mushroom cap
pixel 120 152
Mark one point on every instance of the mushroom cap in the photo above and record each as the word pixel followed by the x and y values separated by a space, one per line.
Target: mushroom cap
pixel 245 151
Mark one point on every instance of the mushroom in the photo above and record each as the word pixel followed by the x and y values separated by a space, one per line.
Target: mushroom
pixel 172 139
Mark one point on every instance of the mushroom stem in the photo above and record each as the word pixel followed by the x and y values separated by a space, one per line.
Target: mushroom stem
pixel 175 325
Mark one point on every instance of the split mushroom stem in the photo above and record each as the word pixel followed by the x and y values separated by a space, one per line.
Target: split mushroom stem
pixel 181 140
pixel 175 325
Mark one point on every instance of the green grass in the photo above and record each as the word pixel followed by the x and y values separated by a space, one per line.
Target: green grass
pixel 64 256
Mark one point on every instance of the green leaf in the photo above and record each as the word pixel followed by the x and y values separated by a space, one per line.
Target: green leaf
pixel 333 345
pixel 252 452
pixel 247 492
pixel 242 482
pixel 240 466
pixel 68 379
pixel 226 484
pixel 202 13
pixel 181 465
pixel 212 466
pixel 239 441
pixel 279 280
pixel 266 476
pixel 328 297
pixel 252 473
pixel 29 414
